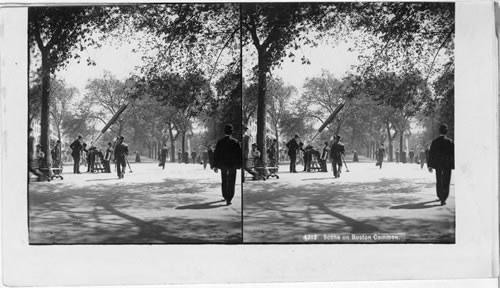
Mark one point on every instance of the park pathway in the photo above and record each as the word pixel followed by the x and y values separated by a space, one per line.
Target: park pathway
pixel 181 204
pixel 400 198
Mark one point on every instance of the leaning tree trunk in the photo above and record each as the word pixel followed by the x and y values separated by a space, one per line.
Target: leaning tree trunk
pixel 261 107
pixel 45 116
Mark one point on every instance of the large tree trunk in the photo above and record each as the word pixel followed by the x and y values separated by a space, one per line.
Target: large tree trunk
pixel 183 143
pixel 45 116
pixel 401 140
pixel 261 107
pixel 277 140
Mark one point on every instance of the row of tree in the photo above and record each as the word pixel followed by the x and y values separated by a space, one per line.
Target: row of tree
pixel 406 70
pixel 191 61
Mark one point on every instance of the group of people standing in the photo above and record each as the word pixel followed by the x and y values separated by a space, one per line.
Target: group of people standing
pixel 335 152
pixel 117 152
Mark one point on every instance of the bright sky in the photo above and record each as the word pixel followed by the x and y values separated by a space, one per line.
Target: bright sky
pixel 335 59
pixel 119 60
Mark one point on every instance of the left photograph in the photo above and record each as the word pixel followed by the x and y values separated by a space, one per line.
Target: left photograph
pixel 134 124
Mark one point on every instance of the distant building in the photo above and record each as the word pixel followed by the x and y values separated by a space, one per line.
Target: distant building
pixel 252 129
pixel 35 125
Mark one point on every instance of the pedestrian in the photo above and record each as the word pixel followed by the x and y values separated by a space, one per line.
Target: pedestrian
pixel 301 156
pixel 355 156
pixel 76 153
pixel 107 158
pixel 31 141
pixel 336 153
pixel 92 158
pixel 397 155
pixel 137 157
pixel 308 158
pixel 179 156
pixel 422 158
pixel 185 157
pixel 193 156
pixel 442 159
pixel 293 146
pixel 411 154
pixel 211 156
pixel 246 156
pixel 204 158
pixel 324 157
pixel 85 156
pixel 163 155
pixel 380 155
pixel 272 153
pixel 55 154
pixel 255 154
pixel 227 158
pixel 40 156
pixel 121 152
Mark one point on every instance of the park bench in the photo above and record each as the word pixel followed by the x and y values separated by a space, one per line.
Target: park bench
pixel 314 166
pixel 55 171
pixel 266 171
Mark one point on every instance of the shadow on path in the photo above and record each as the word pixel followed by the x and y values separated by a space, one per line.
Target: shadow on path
pixel 202 206
pixel 316 179
pixel 356 226
pixel 421 205
pixel 147 230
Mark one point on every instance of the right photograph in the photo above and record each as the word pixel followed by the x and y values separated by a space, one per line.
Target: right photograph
pixel 348 122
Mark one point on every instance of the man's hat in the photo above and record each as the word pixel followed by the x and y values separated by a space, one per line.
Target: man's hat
pixel 121 137
pixel 443 129
pixel 228 129
pixel 296 135
pixel 326 142
pixel 337 137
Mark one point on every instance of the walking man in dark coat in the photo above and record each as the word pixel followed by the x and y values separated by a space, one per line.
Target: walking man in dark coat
pixel 337 152
pixel 442 158
pixel 227 158
pixel 293 146
pixel 76 152
pixel 121 152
